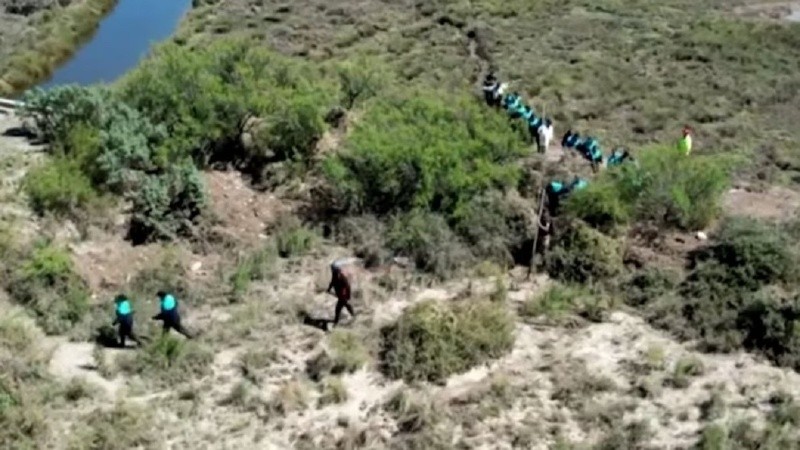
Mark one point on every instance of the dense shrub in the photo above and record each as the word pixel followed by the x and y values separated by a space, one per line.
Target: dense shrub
pixel 432 341
pixel 204 97
pixel 426 150
pixel 429 242
pixel 600 206
pixel 497 228
pixel 582 254
pixel 754 253
pixel 168 205
pixel 735 295
pixel 113 144
pixel 45 282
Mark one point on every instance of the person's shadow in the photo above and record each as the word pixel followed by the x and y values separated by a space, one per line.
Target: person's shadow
pixel 321 324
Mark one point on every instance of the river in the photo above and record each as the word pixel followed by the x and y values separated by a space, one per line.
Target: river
pixel 121 40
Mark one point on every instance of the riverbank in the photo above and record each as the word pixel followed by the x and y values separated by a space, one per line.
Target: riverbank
pixel 46 40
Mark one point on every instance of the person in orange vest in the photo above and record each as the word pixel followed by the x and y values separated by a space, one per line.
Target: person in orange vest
pixel 685 143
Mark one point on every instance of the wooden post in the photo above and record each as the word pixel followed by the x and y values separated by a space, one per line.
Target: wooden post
pixel 536 234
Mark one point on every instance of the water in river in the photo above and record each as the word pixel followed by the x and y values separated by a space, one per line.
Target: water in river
pixel 121 40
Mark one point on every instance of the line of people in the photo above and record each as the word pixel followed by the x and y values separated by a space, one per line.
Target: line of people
pixel 168 314
pixel 540 129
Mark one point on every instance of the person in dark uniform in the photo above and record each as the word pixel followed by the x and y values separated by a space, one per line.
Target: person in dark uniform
pixel 170 315
pixel 340 285
pixel 124 318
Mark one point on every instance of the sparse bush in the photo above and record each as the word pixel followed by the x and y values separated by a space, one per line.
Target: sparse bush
pixel 429 242
pixel 290 397
pixel 120 428
pixel 421 152
pixel 413 415
pixel 166 273
pixel 582 254
pixel 629 437
pixel 168 359
pixel 685 369
pixel 573 383
pixel 59 186
pixel 346 353
pixel 730 300
pixel 365 235
pixel 256 266
pixel 294 239
pixel 254 360
pixel 557 302
pixel 46 283
pixel 432 341
pixel 333 391
pixel 77 389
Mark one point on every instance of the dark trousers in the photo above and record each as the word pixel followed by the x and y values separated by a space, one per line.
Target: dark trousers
pixel 172 321
pixel 125 330
pixel 340 304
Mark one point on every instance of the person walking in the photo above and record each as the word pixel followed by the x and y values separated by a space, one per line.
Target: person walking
pixel 685 143
pixel 124 318
pixel 170 315
pixel 340 285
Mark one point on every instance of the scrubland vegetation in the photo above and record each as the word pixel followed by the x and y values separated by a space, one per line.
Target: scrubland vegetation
pixel 391 157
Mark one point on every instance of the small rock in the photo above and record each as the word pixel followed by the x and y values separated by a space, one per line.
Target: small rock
pixel 702 236
pixel 196 266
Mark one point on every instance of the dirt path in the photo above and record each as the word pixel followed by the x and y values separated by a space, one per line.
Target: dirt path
pixel 76 360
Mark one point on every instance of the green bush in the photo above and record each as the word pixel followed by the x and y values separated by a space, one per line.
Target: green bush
pixel 432 341
pixel 581 253
pixel 359 80
pixel 45 282
pixel 112 142
pixel 559 302
pixel 59 186
pixel 427 150
pixel 168 206
pixel 600 206
pixel 204 96
pixel 429 242
pixel 665 188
